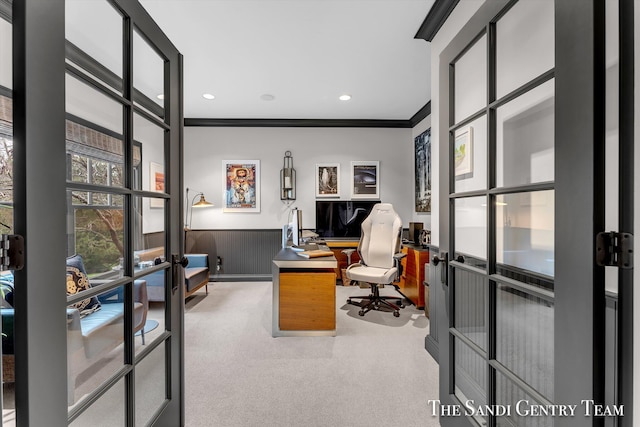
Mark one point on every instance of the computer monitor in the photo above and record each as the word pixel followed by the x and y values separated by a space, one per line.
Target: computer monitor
pixel 341 218
pixel 292 230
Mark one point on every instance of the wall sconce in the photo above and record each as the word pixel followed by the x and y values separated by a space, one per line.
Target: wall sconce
pixel 288 178
pixel 202 203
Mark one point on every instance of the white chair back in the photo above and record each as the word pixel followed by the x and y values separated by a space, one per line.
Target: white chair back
pixel 381 236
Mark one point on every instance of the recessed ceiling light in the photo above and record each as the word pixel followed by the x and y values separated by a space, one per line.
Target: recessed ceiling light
pixel 345 97
pixel 161 96
pixel 208 96
pixel 267 97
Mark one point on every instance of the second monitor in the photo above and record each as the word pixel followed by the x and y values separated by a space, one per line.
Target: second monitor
pixel 292 230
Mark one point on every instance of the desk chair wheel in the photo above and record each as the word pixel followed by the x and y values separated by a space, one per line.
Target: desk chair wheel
pixel 361 312
pixel 396 314
pixel 349 301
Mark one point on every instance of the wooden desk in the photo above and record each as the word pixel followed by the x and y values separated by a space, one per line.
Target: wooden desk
pixel 304 295
pixel 337 246
pixel 412 280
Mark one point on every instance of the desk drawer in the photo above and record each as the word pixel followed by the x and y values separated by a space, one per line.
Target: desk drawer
pixel 307 301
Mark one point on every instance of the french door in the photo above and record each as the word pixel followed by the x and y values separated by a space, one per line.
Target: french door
pixel 521 202
pixel 97 137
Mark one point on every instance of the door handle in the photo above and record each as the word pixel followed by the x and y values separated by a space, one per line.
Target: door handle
pixel 184 261
pixel 177 262
pixel 444 259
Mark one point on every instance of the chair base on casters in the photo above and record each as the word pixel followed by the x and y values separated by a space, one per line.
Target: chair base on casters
pixel 374 301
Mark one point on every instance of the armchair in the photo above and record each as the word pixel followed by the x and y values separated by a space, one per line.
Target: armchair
pixel 92 337
pixel 89 337
pixel 380 256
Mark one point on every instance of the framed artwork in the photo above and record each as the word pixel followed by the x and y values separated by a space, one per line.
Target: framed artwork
pixel 365 179
pixel 156 183
pixel 463 154
pixel 241 191
pixel 423 171
pixel 328 180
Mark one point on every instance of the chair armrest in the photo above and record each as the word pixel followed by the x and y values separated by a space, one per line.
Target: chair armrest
pixel 397 258
pixel 74 330
pixel 73 319
pixel 348 253
pixel 140 295
pixel 140 292
pixel 198 260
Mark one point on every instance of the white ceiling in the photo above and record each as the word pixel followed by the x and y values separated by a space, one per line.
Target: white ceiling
pixel 306 53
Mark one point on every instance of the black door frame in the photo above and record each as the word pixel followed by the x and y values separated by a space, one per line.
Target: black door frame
pixel 626 206
pixel 579 319
pixel 580 210
pixel 39 193
pixel 38 74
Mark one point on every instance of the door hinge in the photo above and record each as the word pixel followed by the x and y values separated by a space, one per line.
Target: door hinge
pixel 12 252
pixel 614 249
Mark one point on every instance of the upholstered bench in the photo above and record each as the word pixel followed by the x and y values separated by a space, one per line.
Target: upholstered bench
pixel 196 275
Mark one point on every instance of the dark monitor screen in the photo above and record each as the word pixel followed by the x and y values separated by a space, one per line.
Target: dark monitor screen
pixel 341 218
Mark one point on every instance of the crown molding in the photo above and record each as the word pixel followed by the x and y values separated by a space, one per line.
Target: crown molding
pixel 421 114
pixel 320 123
pixel 438 14
pixel 336 123
pixel 394 124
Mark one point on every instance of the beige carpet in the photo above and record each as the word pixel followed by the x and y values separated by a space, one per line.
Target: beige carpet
pixel 374 372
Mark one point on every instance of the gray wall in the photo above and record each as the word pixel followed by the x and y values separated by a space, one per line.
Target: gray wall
pixel 206 147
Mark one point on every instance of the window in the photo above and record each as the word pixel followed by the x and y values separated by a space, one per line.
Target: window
pixel 95 158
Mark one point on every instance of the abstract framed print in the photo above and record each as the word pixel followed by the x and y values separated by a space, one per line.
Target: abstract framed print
pixel 241 191
pixel 365 179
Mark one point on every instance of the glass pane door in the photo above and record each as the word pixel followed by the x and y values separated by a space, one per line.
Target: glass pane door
pixel 530 321
pixel 502 208
pixel 122 199
pixel 76 126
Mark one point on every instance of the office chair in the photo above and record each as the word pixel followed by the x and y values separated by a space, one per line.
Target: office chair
pixel 380 256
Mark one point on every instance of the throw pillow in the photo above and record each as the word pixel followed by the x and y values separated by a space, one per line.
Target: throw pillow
pixel 6 290
pixel 78 281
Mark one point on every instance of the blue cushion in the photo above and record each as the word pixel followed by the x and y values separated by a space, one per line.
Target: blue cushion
pixel 197 260
pixel 109 314
pixel 78 281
